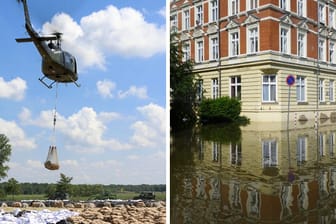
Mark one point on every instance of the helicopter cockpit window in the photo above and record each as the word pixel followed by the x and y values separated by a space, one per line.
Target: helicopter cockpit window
pixel 69 61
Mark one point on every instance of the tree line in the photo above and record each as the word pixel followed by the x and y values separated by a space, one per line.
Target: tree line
pixel 63 186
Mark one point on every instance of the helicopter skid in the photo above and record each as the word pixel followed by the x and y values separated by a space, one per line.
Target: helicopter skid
pixel 49 86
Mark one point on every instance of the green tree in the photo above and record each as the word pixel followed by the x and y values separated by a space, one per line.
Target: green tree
pixel 12 187
pixel 182 88
pixel 63 187
pixel 5 152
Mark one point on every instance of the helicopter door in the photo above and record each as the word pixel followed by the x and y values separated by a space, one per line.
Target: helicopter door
pixel 69 62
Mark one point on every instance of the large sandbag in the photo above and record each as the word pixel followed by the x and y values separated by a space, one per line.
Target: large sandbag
pixel 52 159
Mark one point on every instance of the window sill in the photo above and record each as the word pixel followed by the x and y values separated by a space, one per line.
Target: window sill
pixel 302 103
pixel 270 103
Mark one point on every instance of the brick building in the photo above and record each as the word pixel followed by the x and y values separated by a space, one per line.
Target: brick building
pixel 247 49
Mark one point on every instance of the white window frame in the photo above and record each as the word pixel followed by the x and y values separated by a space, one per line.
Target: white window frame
pixel 173 23
pixel 301 89
pixel 233 7
pixel 199 89
pixel 186 51
pixel 332 90
pixel 301 149
pixel 270 148
pixel 213 11
pixel 285 37
pixel 321 12
pixel 301 8
pixel 331 19
pixel 252 37
pixel 199 56
pixel 302 44
pixel 236 85
pixel 214 88
pixel 199 15
pixel 186 19
pixel 271 87
pixel 284 4
pixel 252 4
pixel 214 47
pixel 234 41
pixel 321 90
pixel 332 52
pixel 322 49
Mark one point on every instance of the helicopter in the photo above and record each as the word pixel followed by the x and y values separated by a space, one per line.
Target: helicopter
pixel 57 65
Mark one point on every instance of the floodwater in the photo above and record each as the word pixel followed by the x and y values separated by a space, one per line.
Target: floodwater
pixel 253 174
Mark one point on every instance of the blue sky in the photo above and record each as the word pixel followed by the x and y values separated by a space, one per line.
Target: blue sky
pixel 112 129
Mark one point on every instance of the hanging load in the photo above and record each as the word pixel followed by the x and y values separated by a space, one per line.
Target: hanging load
pixel 52 159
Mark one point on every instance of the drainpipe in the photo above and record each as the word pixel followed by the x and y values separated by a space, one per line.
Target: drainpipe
pixel 219 53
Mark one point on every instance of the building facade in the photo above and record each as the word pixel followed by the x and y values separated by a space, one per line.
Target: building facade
pixel 247 49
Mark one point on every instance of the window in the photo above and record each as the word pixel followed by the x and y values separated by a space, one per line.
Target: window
pixel 284 41
pixel 284 4
pixel 234 44
pixel 253 40
pixel 301 8
pixel 321 49
pixel 321 90
pixel 270 154
pixel 331 20
pixel 301 150
pixel 332 144
pixel 321 13
pixel 235 87
pixel 332 52
pixel 215 151
pixel 252 4
pixel 186 52
pixel 300 89
pixel 199 90
pixel 199 15
pixel 186 20
pixel 215 86
pixel 301 44
pixel 214 48
pixel 213 10
pixel 321 144
pixel 236 154
pixel 234 7
pixel 199 51
pixel 331 91
pixel 269 88
pixel 173 23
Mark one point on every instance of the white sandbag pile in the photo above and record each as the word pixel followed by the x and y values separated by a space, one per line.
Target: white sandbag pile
pixel 34 217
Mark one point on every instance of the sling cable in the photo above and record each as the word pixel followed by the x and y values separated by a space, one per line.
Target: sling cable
pixel 51 162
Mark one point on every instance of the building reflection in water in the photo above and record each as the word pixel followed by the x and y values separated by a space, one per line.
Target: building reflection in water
pixel 263 177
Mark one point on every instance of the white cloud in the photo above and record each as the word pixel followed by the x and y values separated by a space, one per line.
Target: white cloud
pixel 140 92
pixel 14 89
pixel 162 12
pixel 83 131
pixel 106 32
pixel 105 88
pixel 150 132
pixel 15 134
pixel 87 130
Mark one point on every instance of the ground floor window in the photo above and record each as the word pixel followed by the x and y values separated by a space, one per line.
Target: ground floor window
pixel 331 91
pixel 270 153
pixel 235 87
pixel 199 90
pixel 300 89
pixel 215 88
pixel 269 88
pixel 321 90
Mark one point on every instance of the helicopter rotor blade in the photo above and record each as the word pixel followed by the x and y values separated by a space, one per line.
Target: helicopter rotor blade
pixel 22 40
